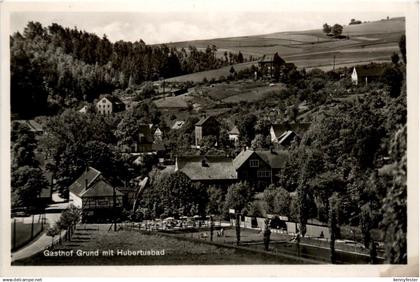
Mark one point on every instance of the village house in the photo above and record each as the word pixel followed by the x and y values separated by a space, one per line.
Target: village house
pixel 234 135
pixel 266 65
pixel 260 167
pixel 158 136
pixel 95 196
pixel 143 143
pixel 109 104
pixel 366 73
pixel 282 135
pixel 209 170
pixel 205 127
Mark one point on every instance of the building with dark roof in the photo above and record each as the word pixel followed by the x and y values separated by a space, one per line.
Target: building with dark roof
pixel 205 127
pixel 110 104
pixel 285 133
pixel 367 73
pixel 207 169
pixel 94 194
pixel 260 167
pixel 266 64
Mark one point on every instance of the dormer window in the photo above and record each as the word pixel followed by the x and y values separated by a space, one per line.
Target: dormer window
pixel 254 163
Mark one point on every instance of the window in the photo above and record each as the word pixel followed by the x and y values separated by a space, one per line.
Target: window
pixel 254 163
pixel 263 173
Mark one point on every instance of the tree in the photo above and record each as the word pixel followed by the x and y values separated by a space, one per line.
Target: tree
pixel 238 228
pixel 326 28
pixel 27 183
pixel 403 50
pixel 69 219
pixel 246 127
pixel 303 208
pixel 337 30
pixel 333 225
pixel 277 200
pixel 240 57
pixel 23 146
pixel 259 142
pixel 238 196
pixel 232 72
pixel 267 233
pixel 393 78
pixel 52 232
pixel 215 201
pixel 394 208
pixel 211 227
pixel 175 195
pixel 366 224
pixel 395 58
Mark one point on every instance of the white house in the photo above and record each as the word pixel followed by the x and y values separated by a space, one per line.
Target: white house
pixel 354 77
pixel 94 195
pixel 234 134
pixel 110 104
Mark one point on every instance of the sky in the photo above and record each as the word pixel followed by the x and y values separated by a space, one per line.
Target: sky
pixel 192 20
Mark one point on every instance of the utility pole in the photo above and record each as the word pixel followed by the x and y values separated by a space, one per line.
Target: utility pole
pixel 334 63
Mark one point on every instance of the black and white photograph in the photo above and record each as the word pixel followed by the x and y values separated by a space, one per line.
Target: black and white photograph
pixel 228 137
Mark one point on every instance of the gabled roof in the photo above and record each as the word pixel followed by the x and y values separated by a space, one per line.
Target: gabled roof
pixel 267 59
pixel 207 167
pixel 275 159
pixel 370 70
pixel 78 186
pixel 234 131
pixel 242 158
pixel 286 137
pixel 32 124
pixel 114 100
pixel 204 120
pixel 298 128
pixel 100 188
pixel 83 109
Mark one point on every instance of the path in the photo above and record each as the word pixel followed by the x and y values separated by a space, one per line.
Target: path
pixel 52 215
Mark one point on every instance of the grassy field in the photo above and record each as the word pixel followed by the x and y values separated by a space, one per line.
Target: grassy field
pixel 216 74
pixel 176 251
pixel 211 97
pixel 371 41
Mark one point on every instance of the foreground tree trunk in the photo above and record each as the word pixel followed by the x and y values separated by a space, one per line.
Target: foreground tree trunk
pixel 238 229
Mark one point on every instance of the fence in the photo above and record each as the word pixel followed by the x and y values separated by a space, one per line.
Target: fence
pixel 23 233
pixel 312 230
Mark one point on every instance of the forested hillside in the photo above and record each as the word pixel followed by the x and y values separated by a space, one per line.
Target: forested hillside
pixel 54 67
